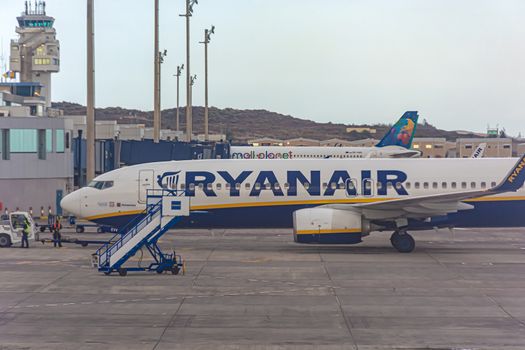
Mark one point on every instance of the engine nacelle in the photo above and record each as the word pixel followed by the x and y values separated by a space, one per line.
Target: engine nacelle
pixel 330 226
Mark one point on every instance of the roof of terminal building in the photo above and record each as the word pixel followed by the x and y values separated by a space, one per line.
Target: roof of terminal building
pixel 22 84
pixel 484 139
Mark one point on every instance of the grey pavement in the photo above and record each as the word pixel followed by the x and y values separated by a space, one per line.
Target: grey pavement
pixel 256 289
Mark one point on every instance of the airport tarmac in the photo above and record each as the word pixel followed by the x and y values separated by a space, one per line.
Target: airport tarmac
pixel 259 290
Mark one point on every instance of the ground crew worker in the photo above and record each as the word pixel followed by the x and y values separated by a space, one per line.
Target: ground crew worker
pixel 25 234
pixel 57 236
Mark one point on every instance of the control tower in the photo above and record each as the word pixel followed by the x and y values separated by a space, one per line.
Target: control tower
pixel 36 53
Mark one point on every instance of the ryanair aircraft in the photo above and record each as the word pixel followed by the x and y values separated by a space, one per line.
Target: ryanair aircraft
pixel 395 144
pixel 324 201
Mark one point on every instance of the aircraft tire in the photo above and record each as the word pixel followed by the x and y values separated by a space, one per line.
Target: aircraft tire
pixel 122 271
pixel 404 243
pixel 175 270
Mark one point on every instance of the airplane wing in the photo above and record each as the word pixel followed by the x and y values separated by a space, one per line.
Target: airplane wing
pixel 435 204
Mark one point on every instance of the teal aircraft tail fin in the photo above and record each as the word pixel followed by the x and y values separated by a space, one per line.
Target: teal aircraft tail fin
pixel 402 133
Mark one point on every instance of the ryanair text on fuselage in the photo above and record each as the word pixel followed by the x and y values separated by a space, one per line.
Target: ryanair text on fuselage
pixel 311 182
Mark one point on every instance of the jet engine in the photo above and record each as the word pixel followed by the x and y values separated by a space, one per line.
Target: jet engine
pixel 326 225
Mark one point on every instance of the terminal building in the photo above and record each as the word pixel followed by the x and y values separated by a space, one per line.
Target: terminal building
pixel 496 147
pixel 35 145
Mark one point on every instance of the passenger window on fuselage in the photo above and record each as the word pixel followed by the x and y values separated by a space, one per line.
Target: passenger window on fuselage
pixel 191 187
pixel 333 185
pixel 453 185
pixel 416 185
pixel 341 186
pixel 219 186
pixel 483 184
pixel 399 185
pixel 444 185
pixel 472 185
pixel 351 185
pixel 325 185
pixel 227 186
pixel 434 185
pixel 247 186
pixel 268 186
pixel 306 185
pixel 463 185
pixel 276 186
pixel 408 185
pixel 379 185
pixel 286 185
pixel 257 186
pixel 237 186
pixel 425 185
pixel 493 184
pixel 201 186
pixel 209 186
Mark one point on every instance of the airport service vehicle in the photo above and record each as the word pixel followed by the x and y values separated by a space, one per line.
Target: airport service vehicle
pixel 395 144
pixel 11 227
pixel 327 201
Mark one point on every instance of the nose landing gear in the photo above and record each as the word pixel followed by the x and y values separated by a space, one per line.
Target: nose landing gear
pixel 402 241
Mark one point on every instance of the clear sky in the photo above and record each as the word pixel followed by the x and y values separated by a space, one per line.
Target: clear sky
pixel 460 63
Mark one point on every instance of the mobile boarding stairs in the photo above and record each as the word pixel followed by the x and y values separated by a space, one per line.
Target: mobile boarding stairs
pixel 164 209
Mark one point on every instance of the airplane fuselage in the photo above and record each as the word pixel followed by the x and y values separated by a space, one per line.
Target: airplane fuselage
pixel 265 193
pixel 307 152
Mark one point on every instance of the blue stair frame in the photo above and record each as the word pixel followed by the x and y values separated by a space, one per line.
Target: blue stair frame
pixel 144 232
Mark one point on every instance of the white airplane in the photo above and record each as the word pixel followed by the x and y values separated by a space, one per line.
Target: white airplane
pixel 395 144
pixel 324 201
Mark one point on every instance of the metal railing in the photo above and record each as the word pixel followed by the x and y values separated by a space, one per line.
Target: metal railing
pixel 107 250
pixel 135 226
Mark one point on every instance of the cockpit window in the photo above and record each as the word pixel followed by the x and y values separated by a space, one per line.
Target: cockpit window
pixel 101 185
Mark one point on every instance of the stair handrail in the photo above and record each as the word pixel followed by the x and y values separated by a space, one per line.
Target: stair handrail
pixel 134 222
pixel 137 224
pixel 106 249
pixel 132 233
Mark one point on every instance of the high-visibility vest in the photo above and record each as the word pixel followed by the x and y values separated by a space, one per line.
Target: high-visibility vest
pixel 27 227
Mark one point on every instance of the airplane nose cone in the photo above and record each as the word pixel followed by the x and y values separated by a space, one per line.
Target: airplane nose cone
pixel 71 203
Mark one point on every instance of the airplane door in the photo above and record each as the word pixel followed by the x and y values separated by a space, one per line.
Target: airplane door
pixel 145 183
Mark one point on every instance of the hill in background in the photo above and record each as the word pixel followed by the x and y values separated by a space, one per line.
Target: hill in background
pixel 241 125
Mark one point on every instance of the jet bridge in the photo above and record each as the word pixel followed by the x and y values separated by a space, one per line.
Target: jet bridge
pixel 164 208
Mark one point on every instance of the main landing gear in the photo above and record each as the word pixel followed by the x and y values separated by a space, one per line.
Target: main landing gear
pixel 402 241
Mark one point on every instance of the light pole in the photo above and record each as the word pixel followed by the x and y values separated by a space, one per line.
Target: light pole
pixel 90 103
pixel 179 72
pixel 158 107
pixel 207 38
pixel 156 79
pixel 189 121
